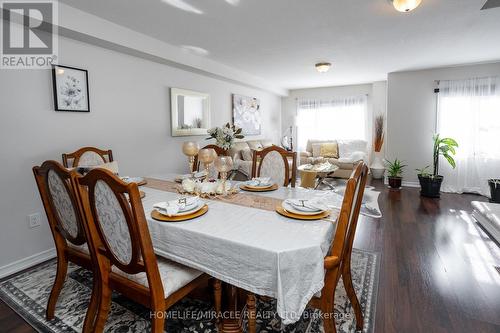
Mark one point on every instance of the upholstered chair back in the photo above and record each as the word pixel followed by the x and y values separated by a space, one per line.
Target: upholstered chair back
pixel 273 162
pixel 87 156
pixel 58 198
pixel 118 229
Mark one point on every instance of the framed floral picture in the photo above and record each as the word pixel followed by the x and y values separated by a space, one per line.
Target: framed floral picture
pixel 71 89
pixel 247 114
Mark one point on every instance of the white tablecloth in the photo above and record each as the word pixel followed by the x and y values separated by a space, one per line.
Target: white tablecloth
pixel 257 250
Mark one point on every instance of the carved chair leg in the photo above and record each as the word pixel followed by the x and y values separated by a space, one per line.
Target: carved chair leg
pixel 158 320
pixel 90 317
pixel 218 299
pixel 62 269
pixel 103 308
pixel 328 318
pixel 351 293
pixel 251 308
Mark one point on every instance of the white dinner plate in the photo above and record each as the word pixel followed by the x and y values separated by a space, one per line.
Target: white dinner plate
pixel 289 208
pixel 132 179
pixel 260 186
pixel 186 210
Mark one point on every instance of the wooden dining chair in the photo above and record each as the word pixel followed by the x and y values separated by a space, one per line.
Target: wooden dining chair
pixel 338 262
pixel 66 222
pixel 273 162
pixel 87 156
pixel 117 230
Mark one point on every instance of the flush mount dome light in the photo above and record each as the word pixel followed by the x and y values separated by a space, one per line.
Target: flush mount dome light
pixel 405 5
pixel 323 67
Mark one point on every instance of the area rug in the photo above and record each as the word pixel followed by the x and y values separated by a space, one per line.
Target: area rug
pixel 27 293
pixel 369 206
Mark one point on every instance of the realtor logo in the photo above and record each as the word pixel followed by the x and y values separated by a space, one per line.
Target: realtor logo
pixel 28 34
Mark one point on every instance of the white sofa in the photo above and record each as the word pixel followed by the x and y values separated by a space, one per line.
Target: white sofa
pixel 350 152
pixel 242 153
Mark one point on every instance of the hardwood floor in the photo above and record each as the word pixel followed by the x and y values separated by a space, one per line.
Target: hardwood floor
pixel 437 271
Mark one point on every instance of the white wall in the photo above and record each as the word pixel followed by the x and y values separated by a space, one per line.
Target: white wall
pixel 411 112
pixel 130 114
pixel 377 97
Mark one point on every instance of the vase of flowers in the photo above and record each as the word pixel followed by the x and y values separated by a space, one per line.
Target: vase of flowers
pixel 224 136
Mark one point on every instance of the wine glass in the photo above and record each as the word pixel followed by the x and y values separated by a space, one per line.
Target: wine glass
pixel 224 164
pixel 207 156
pixel 190 149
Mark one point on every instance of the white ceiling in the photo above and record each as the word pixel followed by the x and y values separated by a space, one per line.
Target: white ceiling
pixel 281 40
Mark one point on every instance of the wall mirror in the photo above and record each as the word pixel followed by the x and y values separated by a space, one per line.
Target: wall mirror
pixel 190 112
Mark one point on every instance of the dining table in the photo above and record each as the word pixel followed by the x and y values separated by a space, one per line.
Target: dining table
pixel 244 242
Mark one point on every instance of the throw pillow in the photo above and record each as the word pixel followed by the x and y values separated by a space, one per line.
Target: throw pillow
pixel 329 150
pixel 255 145
pixel 247 154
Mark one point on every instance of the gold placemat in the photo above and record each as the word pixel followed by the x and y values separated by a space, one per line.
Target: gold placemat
pixel 259 189
pixel 286 213
pixel 241 199
pixel 164 218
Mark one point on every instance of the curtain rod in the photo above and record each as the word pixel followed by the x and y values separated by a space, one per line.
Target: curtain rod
pixel 297 98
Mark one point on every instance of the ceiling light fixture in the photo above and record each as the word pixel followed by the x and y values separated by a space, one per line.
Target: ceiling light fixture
pixel 196 50
pixel 182 5
pixel 405 6
pixel 323 67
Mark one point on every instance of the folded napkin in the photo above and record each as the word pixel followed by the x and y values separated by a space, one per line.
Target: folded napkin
pixel 259 181
pixel 128 179
pixel 312 204
pixel 173 207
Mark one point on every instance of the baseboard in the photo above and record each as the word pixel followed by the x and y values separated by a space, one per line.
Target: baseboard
pixel 27 262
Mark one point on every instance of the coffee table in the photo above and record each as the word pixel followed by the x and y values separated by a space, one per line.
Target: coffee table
pixel 313 175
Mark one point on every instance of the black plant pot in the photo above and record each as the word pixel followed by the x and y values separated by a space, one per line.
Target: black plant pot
pixel 430 186
pixel 494 190
pixel 395 182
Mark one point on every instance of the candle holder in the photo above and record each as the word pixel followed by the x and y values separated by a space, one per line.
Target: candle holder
pixel 190 149
pixel 207 156
pixel 224 164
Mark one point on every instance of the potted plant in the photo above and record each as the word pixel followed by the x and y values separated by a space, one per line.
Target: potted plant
pixel 430 184
pixel 494 190
pixel 395 173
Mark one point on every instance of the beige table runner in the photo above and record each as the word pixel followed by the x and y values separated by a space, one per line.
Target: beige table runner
pixel 240 199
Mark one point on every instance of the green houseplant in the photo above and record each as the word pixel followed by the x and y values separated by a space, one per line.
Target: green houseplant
pixel 494 190
pixel 430 183
pixel 395 172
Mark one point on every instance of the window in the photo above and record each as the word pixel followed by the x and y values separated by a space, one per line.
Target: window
pixel 340 118
pixel 469 112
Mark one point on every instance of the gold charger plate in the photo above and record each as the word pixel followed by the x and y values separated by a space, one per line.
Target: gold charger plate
pixel 164 218
pixel 259 189
pixel 280 210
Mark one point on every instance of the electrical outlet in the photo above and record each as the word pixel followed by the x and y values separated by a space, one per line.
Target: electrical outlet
pixel 34 220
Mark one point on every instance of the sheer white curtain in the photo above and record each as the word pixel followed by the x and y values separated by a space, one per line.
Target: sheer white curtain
pixel 469 112
pixel 342 118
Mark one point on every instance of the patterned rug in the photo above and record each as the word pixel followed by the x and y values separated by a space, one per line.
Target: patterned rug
pixel 27 293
